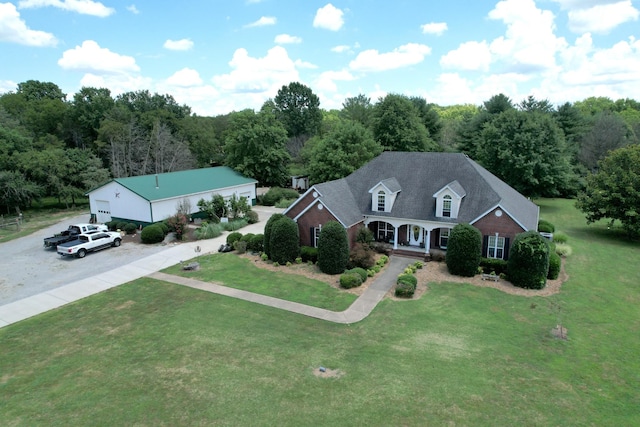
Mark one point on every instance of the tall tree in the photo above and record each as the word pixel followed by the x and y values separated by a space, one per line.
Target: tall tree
pixel 531 104
pixel 358 109
pixel 397 126
pixel 16 191
pixel 298 108
pixel 88 109
pixel 614 191
pixel 498 104
pixel 608 133
pixel 255 147
pixel 429 116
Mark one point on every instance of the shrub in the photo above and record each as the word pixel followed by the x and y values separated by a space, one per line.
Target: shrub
pixel 233 237
pixel 178 224
pixel 112 225
pixel 405 290
pixel 381 248
pixel 499 266
pixel 214 208
pixel 407 278
pixel 152 234
pixel 164 227
pixel 333 248
pixel 284 241
pixel 130 228
pixel 529 261
pixel 308 253
pixel 276 194
pixel 284 203
pixel 350 280
pixel 264 257
pixel 563 250
pixel 464 250
pixel 560 237
pixel 382 260
pixel 361 271
pixel 247 238
pixel 240 246
pixel 545 226
pixel 361 256
pixel 554 266
pixel 267 231
pixel 252 217
pixel 234 225
pixel 257 243
pixel 418 265
pixel 364 235
pixel 208 231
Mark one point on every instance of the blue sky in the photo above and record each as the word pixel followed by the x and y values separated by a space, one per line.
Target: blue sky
pixel 219 56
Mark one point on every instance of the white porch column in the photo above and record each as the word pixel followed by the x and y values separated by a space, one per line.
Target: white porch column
pixel 395 237
pixel 427 242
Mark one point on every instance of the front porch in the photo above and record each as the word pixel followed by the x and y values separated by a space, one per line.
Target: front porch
pixel 417 240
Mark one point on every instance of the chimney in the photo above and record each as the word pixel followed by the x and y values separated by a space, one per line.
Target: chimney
pixel 157 185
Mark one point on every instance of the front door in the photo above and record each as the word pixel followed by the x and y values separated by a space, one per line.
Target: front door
pixel 416 235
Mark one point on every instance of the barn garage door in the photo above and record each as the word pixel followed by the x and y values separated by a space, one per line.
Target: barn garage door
pixel 104 211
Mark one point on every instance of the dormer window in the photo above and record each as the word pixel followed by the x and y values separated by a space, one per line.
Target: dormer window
pixel 446 206
pixel 381 201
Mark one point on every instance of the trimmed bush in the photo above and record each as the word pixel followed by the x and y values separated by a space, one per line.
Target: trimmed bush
pixel 405 290
pixel 499 266
pixel 361 256
pixel 247 238
pixel 309 254
pixel 529 261
pixel 350 280
pixel 130 228
pixel 233 237
pixel 267 231
pixel 361 271
pixel 407 278
pixel 464 250
pixel 252 217
pixel 563 250
pixel 163 225
pixel 284 241
pixel 545 226
pixel 333 248
pixel 152 234
pixel 257 243
pixel 554 266
pixel 560 237
pixel 112 225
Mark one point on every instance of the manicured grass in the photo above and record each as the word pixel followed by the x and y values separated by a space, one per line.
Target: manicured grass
pixel 152 353
pixel 240 273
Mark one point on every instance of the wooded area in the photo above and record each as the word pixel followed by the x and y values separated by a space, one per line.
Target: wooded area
pixel 59 147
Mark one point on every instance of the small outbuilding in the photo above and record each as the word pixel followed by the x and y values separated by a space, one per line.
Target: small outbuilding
pixel 150 198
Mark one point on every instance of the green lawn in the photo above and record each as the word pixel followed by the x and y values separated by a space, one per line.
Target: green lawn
pixel 152 353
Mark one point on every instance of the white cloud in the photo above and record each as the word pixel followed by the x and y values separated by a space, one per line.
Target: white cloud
pixel 304 64
pixel 468 56
pixel 91 57
pixel 262 22
pixel 186 77
pixel 602 18
pixel 15 30
pixel 262 76
pixel 133 9
pixel 341 48
pixel 7 86
pixel 437 28
pixel 326 81
pixel 329 17
pixel 182 44
pixel 84 7
pixel 287 39
pixel 372 60
pixel 117 83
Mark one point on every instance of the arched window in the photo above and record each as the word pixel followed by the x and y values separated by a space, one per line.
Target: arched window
pixel 381 201
pixel 446 206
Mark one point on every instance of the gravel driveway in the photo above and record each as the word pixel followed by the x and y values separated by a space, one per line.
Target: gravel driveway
pixel 27 269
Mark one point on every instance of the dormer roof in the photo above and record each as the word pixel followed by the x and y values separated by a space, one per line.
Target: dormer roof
pixel 454 187
pixel 390 184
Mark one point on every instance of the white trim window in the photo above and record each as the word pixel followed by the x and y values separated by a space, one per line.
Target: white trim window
pixel 446 206
pixel 444 237
pixel 495 247
pixel 316 235
pixel 382 198
pixel 385 232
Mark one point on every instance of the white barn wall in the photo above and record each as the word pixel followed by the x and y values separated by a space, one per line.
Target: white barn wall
pixel 126 205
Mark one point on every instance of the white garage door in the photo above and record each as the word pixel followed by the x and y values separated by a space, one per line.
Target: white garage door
pixel 104 211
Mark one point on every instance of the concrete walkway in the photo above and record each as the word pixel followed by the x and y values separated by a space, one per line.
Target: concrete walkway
pixel 151 265
pixel 360 308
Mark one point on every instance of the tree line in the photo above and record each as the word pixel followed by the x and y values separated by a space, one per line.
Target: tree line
pixel 59 147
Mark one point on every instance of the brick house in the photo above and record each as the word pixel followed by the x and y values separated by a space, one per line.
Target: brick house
pixel 413 199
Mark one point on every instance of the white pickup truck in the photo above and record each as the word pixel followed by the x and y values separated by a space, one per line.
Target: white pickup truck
pixel 72 233
pixel 89 242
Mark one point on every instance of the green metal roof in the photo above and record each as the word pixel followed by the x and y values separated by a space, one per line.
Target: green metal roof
pixel 182 183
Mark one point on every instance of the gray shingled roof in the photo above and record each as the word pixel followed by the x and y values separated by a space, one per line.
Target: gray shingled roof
pixel 419 176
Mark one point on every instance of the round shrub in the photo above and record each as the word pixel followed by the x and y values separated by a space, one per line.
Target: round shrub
pixel 554 266
pixel 408 279
pixel 112 225
pixel 240 246
pixel 464 250
pixel 333 248
pixel 545 226
pixel 361 256
pixel 405 290
pixel 251 217
pixel 256 243
pixel 247 238
pixel 560 237
pixel 163 226
pixel 529 261
pixel 284 241
pixel 130 228
pixel 267 231
pixel 152 234
pixel 309 254
pixel 233 237
pixel 350 280
pixel 361 271
pixel 120 225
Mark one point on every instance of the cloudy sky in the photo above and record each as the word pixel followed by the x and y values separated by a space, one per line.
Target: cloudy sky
pixel 222 55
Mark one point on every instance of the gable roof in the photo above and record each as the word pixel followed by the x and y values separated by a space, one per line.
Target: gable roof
pixel 391 184
pixel 182 183
pixel 421 175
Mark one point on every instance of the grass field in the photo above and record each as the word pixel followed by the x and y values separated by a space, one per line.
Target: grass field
pixel 152 353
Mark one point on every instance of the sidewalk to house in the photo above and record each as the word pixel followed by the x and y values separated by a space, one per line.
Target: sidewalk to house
pixel 151 265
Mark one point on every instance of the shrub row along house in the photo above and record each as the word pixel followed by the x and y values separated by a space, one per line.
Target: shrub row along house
pixel 146 199
pixel 413 199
